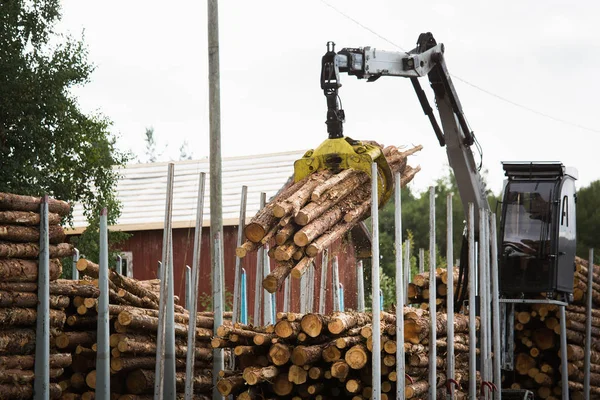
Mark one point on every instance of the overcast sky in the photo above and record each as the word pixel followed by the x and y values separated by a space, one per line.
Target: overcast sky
pixel 152 70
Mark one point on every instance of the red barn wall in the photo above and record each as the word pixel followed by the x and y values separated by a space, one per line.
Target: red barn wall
pixel 146 248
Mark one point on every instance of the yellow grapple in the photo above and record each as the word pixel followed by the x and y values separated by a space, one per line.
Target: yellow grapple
pixel 345 153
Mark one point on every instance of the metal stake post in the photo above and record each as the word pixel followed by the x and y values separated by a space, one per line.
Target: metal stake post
pixel 376 353
pixel 496 309
pixel 268 297
pixel 286 295
pixel 162 308
pixel 400 356
pixel 238 261
pixel 258 291
pixel 74 270
pixel 341 289
pixel 170 377
pixel 563 353
pixel 323 284
pixel 188 287
pixel 218 303
pixel 406 269
pixel 311 287
pixel 244 298
pixel 103 353
pixel 303 280
pixel 482 298
pixel 120 265
pixel 432 298
pixel 421 261
pixel 193 292
pixel 41 383
pixel 360 286
pixel 488 300
pixel 450 295
pixel 588 328
pixel 159 270
pixel 335 284
pixel 472 333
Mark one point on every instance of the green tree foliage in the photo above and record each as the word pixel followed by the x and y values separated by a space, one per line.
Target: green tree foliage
pixel 588 220
pixel 47 144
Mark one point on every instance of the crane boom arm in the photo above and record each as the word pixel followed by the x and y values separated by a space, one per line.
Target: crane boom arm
pixel 426 59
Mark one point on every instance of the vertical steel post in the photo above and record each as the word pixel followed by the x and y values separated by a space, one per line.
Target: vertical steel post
pixel 432 298
pixel 406 279
pixel 41 383
pixel 103 353
pixel 341 289
pixel 496 309
pixel 218 308
pixel 244 298
pixel 450 294
pixel 170 377
pixel 193 282
pixel 588 328
pixel 159 270
pixel 268 299
pixel 563 354
pixel 400 303
pixel 488 299
pixel 119 267
pixel 188 287
pixel 360 286
pixel 421 260
pixel 323 283
pixel 238 261
pixel 74 270
pixel 335 284
pixel 375 306
pixel 258 289
pixel 311 285
pixel 286 295
pixel 303 280
pixel 482 299
pixel 472 332
pixel 164 276
pixel 381 302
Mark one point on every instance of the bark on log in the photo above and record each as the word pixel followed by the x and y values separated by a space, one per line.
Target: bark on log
pixel 303 355
pixel 275 279
pixel 301 267
pixel 28 361
pixel 312 324
pixel 28 299
pixel 254 376
pixel 26 218
pixel 27 316
pixel 286 329
pixel 32 250
pixel 285 233
pixel 70 340
pixel 18 270
pixel 293 203
pixel 417 330
pixel 285 251
pixel 146 322
pixel 17 233
pixel 329 218
pixel 343 321
pixel 15 202
pixel 246 248
pixel 67 287
pixel 230 385
pixel 142 381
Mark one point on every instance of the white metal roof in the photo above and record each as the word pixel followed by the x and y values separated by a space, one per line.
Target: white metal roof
pixel 142 190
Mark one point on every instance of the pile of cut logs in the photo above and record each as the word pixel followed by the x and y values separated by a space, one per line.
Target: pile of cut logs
pixel 307 216
pixel 19 251
pixel 537 348
pixel 323 356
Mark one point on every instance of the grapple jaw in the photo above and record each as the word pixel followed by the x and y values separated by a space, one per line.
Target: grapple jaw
pixel 345 153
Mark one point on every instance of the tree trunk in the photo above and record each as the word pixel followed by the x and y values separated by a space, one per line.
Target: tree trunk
pixel 301 267
pixel 17 233
pixel 285 251
pixel 285 233
pixel 28 316
pixel 329 218
pixel 28 299
pixel 70 340
pixel 17 270
pixel 303 355
pixel 357 356
pixel 254 376
pixel 32 250
pixel 287 330
pixel 342 321
pixel 275 279
pixel 293 203
pixel 280 354
pixel 416 389
pixel 73 288
pixel 17 202
pixel 231 385
pixel 246 248
pixel 26 218
pixel 142 381
pixel 312 324
pixel 14 391
pixel 27 362
pixel 340 370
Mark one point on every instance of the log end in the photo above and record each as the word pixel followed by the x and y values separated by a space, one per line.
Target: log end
pixel 336 326
pixel 301 239
pixel 254 232
pixel 240 252
pixel 312 325
pixel 301 218
pixel 299 356
pixel 270 284
pixel 124 318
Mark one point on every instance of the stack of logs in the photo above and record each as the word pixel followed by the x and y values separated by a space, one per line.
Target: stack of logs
pixel 307 216
pixel 19 251
pixel 133 314
pixel 537 348
pixel 329 356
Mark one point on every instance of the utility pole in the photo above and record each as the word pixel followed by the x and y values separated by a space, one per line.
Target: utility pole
pixel 216 218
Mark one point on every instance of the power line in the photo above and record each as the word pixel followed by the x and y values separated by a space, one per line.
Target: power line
pixel 562 121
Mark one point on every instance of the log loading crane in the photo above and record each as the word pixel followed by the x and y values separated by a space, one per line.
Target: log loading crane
pixel 537 229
